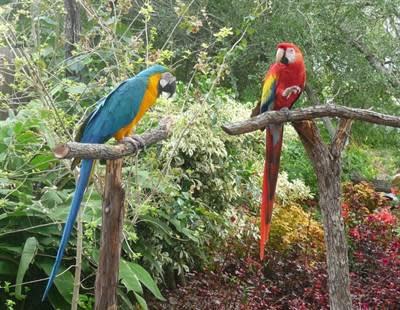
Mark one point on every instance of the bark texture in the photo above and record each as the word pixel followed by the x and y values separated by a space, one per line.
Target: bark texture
pixel 111 236
pixel 276 117
pixel 72 26
pixel 103 151
pixel 327 165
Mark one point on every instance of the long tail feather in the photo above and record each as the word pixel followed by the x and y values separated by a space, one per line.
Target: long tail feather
pixel 272 158
pixel 86 168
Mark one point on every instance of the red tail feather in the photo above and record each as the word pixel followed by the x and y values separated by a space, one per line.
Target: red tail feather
pixel 271 168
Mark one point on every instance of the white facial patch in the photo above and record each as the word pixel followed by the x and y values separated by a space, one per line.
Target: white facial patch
pixel 279 54
pixel 166 95
pixel 163 83
pixel 290 54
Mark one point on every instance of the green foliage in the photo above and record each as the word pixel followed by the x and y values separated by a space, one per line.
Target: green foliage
pixel 294 230
pixel 295 161
pixel 358 158
pixel 28 253
pixel 132 276
pixel 182 195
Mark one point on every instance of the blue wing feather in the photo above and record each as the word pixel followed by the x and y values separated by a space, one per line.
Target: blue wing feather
pixel 116 111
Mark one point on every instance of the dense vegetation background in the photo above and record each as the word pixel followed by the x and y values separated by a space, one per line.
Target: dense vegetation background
pixel 192 207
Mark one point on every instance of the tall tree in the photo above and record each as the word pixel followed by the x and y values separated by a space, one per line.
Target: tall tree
pixel 72 26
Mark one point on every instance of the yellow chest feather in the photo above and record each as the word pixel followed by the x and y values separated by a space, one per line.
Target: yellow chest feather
pixel 148 100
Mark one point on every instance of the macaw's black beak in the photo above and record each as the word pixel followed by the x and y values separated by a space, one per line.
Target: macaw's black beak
pixel 284 59
pixel 167 84
pixel 170 88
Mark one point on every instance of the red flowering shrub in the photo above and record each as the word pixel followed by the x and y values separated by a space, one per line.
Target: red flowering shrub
pixel 374 249
pixel 362 196
pixel 295 280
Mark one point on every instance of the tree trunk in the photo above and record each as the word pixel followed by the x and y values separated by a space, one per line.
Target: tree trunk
pixel 335 239
pixel 111 236
pixel 72 26
pixel 327 164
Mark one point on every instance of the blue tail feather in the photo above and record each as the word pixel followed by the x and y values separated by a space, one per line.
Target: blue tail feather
pixel 86 168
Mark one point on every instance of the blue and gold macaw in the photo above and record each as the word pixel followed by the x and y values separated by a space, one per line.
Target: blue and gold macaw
pixel 115 116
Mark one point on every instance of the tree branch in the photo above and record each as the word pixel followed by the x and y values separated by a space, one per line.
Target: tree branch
pixel 276 117
pixel 376 63
pixel 103 151
pixel 341 136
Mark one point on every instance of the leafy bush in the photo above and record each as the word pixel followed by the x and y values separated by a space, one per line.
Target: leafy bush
pixel 357 158
pixel 362 198
pixel 295 161
pixel 239 280
pixel 185 185
pixel 295 230
pixel 375 248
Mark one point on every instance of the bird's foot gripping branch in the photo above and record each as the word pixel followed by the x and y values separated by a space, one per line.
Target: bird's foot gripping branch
pixel 326 160
pixel 103 151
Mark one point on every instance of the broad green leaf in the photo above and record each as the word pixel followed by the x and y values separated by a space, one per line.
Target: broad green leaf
pixel 145 278
pixel 188 233
pixel 7 268
pixel 57 301
pixel 129 278
pixel 64 281
pixel 42 161
pixel 158 224
pixel 28 253
pixel 7 248
pixel 48 20
pixel 77 63
pixel 53 198
pixel 126 303
pixel 76 89
pixel 141 301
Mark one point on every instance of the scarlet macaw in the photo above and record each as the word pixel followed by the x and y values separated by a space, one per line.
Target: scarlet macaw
pixel 115 116
pixel 283 84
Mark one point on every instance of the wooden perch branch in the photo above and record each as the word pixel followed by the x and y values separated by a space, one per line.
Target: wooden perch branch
pixel 275 117
pixel 103 151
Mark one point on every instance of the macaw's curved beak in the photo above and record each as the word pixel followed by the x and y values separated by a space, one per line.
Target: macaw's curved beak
pixel 281 56
pixel 167 84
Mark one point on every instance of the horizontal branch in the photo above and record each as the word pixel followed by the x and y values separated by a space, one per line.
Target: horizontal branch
pixel 330 110
pixel 103 151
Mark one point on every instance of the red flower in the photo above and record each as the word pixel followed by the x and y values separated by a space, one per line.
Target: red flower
pixel 345 210
pixel 384 216
pixel 355 233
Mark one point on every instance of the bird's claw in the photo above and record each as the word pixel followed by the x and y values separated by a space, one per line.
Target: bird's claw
pixel 136 141
pixel 291 90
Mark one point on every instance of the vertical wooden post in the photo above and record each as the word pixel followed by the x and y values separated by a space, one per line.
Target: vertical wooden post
pixel 111 236
pixel 327 164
